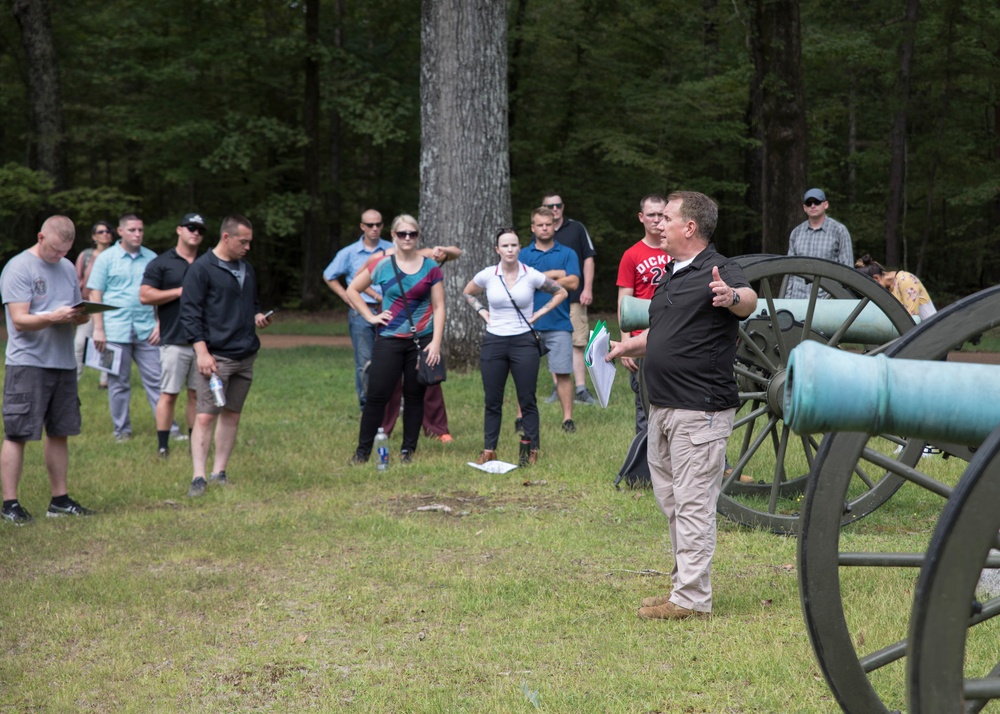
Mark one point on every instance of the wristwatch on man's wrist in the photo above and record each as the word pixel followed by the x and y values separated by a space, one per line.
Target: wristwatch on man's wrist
pixel 736 298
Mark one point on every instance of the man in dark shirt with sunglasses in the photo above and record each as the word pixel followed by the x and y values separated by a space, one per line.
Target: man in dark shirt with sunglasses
pixel 345 264
pixel 817 237
pixel 162 286
pixel 574 236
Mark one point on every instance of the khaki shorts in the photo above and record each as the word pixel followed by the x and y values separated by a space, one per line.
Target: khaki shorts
pixel 581 329
pixel 178 367
pixel 37 396
pixel 236 376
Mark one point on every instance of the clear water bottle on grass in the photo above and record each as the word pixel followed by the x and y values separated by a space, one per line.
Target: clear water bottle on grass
pixel 381 441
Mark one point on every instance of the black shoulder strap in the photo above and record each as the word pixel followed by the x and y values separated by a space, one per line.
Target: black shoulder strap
pixel 406 304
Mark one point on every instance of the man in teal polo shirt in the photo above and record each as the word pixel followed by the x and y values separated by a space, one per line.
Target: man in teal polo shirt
pixel 560 263
pixel 116 279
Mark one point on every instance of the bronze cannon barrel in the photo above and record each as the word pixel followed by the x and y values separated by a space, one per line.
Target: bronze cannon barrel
pixel 872 326
pixel 832 390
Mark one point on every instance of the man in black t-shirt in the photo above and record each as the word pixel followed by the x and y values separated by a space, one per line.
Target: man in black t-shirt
pixel 161 286
pixel 689 348
pixel 574 236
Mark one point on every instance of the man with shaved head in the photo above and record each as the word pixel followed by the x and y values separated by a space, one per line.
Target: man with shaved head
pixel 40 289
pixel 345 265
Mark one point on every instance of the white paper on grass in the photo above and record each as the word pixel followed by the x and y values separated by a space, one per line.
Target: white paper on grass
pixel 110 360
pixel 602 373
pixel 493 467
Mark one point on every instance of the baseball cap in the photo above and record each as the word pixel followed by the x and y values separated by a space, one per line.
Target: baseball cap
pixel 192 219
pixel 814 193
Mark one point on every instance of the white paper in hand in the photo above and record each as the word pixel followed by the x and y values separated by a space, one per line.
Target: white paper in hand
pixel 602 373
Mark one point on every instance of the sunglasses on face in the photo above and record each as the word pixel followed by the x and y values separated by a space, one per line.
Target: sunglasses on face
pixel 372 225
pixel 196 229
pixel 812 202
pixel 407 234
pixel 103 231
pixel 552 206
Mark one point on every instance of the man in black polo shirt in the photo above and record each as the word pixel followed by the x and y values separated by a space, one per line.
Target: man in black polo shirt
pixel 689 348
pixel 161 286
pixel 574 236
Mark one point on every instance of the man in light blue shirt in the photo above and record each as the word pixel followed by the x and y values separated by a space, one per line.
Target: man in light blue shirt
pixel 346 264
pixel 115 279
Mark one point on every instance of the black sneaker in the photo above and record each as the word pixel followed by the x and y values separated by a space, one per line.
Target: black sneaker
pixel 569 427
pixel 218 479
pixel 16 514
pixel 405 456
pixel 518 424
pixel 197 488
pixel 358 459
pixel 70 509
pixel 163 454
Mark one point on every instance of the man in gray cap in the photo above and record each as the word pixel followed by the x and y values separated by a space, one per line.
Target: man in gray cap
pixel 817 237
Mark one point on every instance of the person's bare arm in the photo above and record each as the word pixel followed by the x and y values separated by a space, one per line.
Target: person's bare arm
pixel 148 295
pixel 587 295
pixel 100 340
pixel 24 321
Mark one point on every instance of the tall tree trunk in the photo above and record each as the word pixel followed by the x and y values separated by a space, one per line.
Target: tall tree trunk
pixel 335 200
pixel 464 162
pixel 776 48
pixel 314 250
pixel 897 139
pixel 47 143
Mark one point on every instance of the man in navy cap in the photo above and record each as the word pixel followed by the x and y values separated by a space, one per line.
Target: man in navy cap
pixel 817 237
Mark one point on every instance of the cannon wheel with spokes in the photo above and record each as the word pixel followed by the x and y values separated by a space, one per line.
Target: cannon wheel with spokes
pixel 770 465
pixel 963 537
pixel 840 456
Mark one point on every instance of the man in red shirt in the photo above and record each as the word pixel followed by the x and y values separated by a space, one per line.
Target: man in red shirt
pixel 639 273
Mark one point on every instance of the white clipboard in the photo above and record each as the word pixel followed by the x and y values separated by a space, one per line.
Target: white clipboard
pixel 110 360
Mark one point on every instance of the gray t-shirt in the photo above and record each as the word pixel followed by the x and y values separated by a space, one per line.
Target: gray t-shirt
pixel 46 287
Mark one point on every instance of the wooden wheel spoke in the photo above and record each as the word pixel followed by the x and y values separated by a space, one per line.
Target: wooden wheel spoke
pixel 778 335
pixel 748 453
pixel 751 416
pixel 779 469
pixel 835 338
pixel 765 361
pixel 907 472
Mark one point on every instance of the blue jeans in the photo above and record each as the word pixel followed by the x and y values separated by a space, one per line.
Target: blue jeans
pixel 362 337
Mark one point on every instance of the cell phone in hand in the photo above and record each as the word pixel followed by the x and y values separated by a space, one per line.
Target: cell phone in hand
pixel 268 314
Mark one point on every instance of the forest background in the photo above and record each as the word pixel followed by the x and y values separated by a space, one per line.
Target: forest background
pixel 301 115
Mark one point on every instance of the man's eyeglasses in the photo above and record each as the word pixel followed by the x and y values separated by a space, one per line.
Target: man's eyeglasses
pixel 552 206
pixel 812 202
pixel 372 225
pixel 196 229
pixel 408 234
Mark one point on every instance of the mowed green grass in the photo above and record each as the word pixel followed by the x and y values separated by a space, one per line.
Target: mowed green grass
pixel 310 585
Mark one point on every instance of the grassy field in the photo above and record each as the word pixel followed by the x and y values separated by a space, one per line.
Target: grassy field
pixel 310 585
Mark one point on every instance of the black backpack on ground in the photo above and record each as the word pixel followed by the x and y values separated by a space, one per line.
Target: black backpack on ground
pixel 635 471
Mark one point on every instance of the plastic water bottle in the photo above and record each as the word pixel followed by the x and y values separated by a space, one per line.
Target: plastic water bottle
pixel 381 442
pixel 218 392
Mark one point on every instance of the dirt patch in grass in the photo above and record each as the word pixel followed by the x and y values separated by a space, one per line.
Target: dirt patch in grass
pixel 539 496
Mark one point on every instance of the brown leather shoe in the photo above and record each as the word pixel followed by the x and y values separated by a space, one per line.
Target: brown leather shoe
pixel 655 601
pixel 487 455
pixel 669 611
